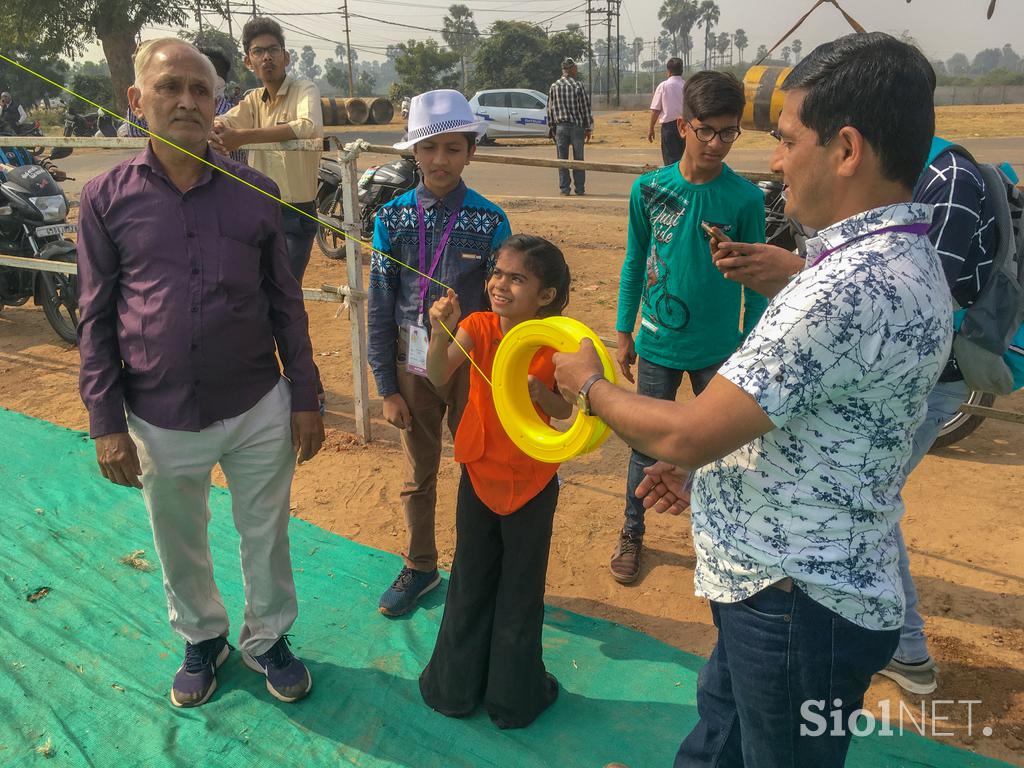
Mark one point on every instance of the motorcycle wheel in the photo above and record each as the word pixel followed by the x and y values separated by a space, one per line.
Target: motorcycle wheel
pixel 60 301
pixel 962 424
pixel 331 243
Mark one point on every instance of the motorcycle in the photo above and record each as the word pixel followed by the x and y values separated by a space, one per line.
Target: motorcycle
pixel 788 234
pixel 376 186
pixel 89 124
pixel 33 222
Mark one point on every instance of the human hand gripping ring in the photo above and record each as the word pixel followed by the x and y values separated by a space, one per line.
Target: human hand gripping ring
pixel 511 390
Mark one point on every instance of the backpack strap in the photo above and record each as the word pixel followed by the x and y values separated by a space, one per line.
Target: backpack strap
pixel 940 145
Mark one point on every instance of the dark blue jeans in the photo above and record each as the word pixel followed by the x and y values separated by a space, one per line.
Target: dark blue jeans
pixel 299 232
pixel 781 662
pixel 672 144
pixel 653 380
pixel 574 135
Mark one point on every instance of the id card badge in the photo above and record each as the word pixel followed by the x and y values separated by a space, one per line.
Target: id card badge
pixel 417 359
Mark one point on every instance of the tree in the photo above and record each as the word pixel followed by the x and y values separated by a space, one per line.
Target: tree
pixel 762 52
pixel 677 18
pixel 308 68
pixel 722 45
pixel 293 61
pixel 67 27
pixel 1010 60
pixel 986 61
pixel 336 74
pixel 342 53
pixel 28 89
pixel 709 14
pixel 522 55
pixel 740 39
pixel 797 46
pixel 786 53
pixel 460 33
pixel 958 64
pixel 95 88
pixel 365 84
pixel 221 41
pixel 423 66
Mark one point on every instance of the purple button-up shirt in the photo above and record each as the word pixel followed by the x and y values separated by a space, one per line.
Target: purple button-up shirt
pixel 182 297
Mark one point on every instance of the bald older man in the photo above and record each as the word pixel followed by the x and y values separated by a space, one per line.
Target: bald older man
pixel 187 300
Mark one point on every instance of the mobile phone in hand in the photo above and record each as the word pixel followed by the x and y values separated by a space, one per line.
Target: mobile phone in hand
pixel 715 233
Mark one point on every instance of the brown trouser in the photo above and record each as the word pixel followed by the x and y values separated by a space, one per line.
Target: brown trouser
pixel 422 446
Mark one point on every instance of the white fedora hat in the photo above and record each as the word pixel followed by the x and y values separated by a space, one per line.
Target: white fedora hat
pixel 436 112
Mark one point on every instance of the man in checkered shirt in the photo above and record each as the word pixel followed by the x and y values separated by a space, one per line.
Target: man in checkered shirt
pixel 570 121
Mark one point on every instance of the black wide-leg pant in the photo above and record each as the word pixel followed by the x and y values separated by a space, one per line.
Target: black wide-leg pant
pixel 489 644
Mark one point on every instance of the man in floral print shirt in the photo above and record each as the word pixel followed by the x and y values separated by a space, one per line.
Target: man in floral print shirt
pixel 802 437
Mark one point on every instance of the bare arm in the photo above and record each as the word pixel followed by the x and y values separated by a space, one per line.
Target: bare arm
pixel 553 404
pixel 444 357
pixel 687 435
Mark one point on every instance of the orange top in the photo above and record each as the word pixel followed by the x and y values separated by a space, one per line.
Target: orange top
pixel 503 476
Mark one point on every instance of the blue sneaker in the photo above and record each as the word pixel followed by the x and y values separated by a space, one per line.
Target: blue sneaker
pixel 409 587
pixel 196 678
pixel 287 677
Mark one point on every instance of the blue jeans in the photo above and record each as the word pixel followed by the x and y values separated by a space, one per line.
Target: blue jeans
pixel 653 380
pixel 780 656
pixel 299 232
pixel 944 401
pixel 575 135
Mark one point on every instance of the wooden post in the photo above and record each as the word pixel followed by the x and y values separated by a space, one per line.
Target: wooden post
pixel 356 304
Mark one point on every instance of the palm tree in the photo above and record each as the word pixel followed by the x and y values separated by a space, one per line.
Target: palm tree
pixel 678 17
pixel 460 34
pixel 638 48
pixel 797 46
pixel 722 45
pixel 708 15
pixel 740 38
pixel 785 53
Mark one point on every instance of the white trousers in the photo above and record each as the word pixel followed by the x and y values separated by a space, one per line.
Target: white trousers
pixel 255 452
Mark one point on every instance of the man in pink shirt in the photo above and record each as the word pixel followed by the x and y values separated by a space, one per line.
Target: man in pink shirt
pixel 667 109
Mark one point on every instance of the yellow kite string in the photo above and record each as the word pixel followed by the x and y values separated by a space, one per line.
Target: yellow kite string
pixel 227 173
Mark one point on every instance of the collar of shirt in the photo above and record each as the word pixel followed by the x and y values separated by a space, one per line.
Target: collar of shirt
pixel 451 200
pixel 149 159
pixel 265 95
pixel 863 224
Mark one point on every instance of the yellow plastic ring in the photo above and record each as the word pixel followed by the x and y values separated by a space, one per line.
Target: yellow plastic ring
pixel 511 389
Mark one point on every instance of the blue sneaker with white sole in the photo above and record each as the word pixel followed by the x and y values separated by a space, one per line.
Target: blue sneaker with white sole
pixel 288 679
pixel 196 678
pixel 410 586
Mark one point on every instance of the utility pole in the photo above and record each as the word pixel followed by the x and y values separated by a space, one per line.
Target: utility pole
pixel 254 9
pixel 231 31
pixel 618 52
pixel 608 57
pixel 590 51
pixel 348 51
pixel 199 16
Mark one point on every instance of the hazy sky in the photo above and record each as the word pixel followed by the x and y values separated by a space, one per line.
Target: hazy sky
pixel 942 27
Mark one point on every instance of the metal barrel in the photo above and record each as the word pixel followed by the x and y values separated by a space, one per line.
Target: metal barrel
pixel 358 111
pixel 764 99
pixel 333 111
pixel 381 111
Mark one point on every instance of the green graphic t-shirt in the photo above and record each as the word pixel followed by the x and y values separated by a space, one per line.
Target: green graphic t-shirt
pixel 689 313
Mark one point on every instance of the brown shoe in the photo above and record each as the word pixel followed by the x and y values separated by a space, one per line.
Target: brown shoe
pixel 625 565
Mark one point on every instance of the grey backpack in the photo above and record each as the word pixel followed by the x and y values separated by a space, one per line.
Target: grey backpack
pixel 987 344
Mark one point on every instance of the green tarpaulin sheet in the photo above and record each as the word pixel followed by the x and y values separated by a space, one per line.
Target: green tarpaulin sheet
pixel 86 669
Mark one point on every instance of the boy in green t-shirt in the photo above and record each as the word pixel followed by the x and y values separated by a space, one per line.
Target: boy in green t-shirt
pixel 691 318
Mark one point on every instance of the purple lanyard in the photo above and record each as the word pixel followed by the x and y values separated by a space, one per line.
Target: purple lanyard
pixel 921 228
pixel 425 281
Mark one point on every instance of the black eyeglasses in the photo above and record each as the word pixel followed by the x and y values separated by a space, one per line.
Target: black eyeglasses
pixel 258 53
pixel 706 133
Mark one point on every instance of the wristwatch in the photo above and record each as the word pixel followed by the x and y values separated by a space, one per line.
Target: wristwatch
pixel 583 396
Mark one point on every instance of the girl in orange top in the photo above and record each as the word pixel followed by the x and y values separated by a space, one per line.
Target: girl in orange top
pixel 489 644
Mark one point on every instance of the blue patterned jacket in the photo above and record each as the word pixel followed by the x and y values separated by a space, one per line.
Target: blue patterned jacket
pixel 394 298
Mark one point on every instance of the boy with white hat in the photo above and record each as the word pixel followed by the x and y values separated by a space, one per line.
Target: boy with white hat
pixel 447 232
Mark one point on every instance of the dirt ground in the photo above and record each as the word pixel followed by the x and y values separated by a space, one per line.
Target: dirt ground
pixel 962 526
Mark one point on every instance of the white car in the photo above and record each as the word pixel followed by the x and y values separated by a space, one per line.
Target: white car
pixel 512 112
